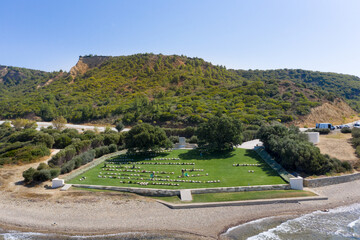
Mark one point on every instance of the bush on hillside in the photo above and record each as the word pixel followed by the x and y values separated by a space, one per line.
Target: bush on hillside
pixel 322 131
pixel 294 152
pixel 42 166
pixel 100 151
pixel 193 139
pixel 42 175
pixel 355 132
pixel 357 151
pixel 346 130
pixel 113 148
pixel 28 175
pixel 355 142
pixel 174 139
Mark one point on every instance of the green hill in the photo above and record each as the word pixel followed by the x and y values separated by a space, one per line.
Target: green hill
pixel 169 90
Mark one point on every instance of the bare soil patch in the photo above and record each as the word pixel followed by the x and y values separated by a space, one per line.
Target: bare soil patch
pixel 337 112
pixel 338 145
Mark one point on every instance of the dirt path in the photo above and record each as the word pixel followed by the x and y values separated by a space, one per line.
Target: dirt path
pixel 11 179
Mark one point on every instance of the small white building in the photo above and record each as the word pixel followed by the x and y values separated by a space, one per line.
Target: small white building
pixel 314 137
pixel 56 183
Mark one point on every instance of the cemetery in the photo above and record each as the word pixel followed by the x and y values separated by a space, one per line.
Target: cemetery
pixel 182 169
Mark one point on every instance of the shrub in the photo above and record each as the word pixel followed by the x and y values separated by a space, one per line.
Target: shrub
pixel 44 138
pixel 320 130
pixel 82 146
pixel 357 165
pixel 119 126
pixel 42 175
pixel 174 139
pixel 355 141
pixel 291 149
pixel 346 165
pixel 357 151
pixel 67 167
pixel 78 161
pixel 249 135
pixel 193 139
pixel 98 141
pixel 62 141
pixel 346 130
pixel 355 132
pixel 23 136
pixel 87 156
pixel 28 175
pixel 100 151
pixel 111 138
pixel 54 172
pixel 39 151
pixel 42 166
pixel 112 148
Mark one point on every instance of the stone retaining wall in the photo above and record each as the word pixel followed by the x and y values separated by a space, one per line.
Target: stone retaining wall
pixel 325 181
pixel 167 192
pixel 141 191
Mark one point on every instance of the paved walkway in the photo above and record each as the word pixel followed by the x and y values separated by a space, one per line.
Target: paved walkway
pixel 250 144
pixel 242 203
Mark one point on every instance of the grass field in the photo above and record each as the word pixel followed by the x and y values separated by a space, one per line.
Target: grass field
pixel 204 171
pixel 240 196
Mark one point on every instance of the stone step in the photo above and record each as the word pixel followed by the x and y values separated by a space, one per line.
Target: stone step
pixel 66 187
pixel 185 195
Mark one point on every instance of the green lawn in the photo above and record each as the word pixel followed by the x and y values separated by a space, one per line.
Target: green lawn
pixel 216 166
pixel 240 196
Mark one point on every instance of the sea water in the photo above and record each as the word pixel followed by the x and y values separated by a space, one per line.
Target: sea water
pixel 15 235
pixel 335 224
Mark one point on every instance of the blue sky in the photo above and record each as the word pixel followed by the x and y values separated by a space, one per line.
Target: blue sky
pixel 254 34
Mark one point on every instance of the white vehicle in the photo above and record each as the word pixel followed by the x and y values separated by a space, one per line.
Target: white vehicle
pixel 325 125
pixel 357 125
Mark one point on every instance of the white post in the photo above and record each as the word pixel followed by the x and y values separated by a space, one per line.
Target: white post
pixel 297 183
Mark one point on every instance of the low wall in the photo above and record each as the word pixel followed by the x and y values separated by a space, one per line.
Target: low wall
pixel 168 192
pixel 141 191
pixel 325 181
pixel 241 189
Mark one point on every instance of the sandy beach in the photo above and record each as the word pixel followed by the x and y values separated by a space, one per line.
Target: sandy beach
pixel 40 209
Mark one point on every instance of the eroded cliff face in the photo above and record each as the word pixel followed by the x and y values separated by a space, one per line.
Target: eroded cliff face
pixel 337 112
pixel 86 63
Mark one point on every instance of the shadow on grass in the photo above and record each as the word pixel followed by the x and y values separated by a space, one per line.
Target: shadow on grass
pixel 264 166
pixel 196 154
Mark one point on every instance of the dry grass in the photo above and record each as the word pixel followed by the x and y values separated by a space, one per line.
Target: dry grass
pixel 338 145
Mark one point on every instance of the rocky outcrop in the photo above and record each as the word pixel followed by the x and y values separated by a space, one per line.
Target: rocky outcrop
pixel 3 71
pixel 86 63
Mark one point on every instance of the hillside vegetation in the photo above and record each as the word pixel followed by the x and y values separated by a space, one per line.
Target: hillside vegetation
pixel 168 90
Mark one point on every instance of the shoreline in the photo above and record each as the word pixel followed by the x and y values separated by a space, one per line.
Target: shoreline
pixel 98 213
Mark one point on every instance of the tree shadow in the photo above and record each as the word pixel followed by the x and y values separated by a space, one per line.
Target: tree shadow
pixel 196 154
pixel 264 166
pixel 28 185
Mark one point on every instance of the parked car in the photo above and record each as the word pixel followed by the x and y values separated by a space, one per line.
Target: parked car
pixel 357 125
pixel 325 125
pixel 343 126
